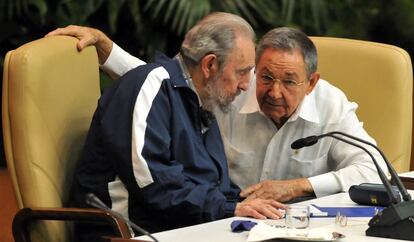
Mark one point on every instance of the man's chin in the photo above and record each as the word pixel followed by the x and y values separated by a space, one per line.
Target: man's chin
pixel 225 108
pixel 272 111
pixel 220 108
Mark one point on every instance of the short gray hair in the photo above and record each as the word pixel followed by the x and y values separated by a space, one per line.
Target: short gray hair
pixel 290 39
pixel 214 34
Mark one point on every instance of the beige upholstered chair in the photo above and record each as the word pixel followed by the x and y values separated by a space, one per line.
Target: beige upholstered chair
pixel 50 91
pixel 379 78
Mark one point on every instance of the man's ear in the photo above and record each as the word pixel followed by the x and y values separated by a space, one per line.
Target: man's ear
pixel 312 81
pixel 209 66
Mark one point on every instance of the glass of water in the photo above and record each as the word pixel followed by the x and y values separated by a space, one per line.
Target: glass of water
pixel 297 220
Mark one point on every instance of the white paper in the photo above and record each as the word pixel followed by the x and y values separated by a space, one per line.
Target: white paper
pixel 263 231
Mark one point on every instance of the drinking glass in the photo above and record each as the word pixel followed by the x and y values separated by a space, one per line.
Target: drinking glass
pixel 297 220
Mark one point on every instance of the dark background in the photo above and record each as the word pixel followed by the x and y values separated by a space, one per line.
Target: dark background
pixel 144 26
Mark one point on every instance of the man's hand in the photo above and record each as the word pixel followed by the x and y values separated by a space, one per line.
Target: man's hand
pixel 260 209
pixel 280 190
pixel 87 36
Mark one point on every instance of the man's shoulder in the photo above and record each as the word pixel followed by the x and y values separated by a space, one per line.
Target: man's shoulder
pixel 143 72
pixel 134 79
pixel 332 104
pixel 146 79
pixel 325 88
pixel 161 69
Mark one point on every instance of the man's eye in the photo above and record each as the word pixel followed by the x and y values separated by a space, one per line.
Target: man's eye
pixel 267 77
pixel 244 72
pixel 289 82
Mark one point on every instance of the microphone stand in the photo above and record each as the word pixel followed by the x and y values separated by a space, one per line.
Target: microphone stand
pixel 383 177
pixel 406 196
pixel 395 221
pixel 94 201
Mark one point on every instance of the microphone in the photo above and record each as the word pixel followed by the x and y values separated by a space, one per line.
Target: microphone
pixel 94 201
pixel 304 142
pixel 311 140
pixel 406 196
pixel 395 221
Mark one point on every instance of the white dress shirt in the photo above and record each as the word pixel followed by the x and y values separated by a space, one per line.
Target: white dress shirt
pixel 120 62
pixel 256 150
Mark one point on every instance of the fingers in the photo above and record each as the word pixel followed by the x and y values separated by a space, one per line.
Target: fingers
pixel 264 193
pixel 249 198
pixel 87 36
pixel 261 193
pixel 260 209
pixel 273 209
pixel 85 42
pixel 269 212
pixel 71 30
pixel 268 192
pixel 249 195
pixel 257 194
pixel 251 212
pixel 246 192
pixel 278 205
pixel 53 33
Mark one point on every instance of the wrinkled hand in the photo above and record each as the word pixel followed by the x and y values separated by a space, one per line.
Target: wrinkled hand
pixel 280 190
pixel 260 209
pixel 87 36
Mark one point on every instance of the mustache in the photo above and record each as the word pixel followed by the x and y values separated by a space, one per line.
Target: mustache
pixel 275 101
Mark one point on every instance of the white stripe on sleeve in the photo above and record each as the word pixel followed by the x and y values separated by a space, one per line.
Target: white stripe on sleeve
pixel 142 108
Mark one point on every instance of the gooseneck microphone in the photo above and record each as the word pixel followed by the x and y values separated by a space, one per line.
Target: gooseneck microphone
pixel 406 196
pixel 395 221
pixel 311 140
pixel 94 201
pixel 304 142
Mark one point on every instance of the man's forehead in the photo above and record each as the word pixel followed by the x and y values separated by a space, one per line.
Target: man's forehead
pixel 275 60
pixel 244 54
pixel 277 69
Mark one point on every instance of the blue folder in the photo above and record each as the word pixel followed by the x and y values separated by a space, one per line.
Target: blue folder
pixel 368 211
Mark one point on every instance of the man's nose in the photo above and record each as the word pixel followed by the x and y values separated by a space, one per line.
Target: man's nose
pixel 244 84
pixel 275 90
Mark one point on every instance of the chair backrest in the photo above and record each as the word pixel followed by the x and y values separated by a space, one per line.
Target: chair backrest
pixel 50 91
pixel 379 78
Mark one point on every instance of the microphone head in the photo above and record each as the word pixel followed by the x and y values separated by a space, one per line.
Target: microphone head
pixel 94 201
pixel 90 198
pixel 308 141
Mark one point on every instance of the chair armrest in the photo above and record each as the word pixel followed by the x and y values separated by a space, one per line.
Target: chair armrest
pixel 26 215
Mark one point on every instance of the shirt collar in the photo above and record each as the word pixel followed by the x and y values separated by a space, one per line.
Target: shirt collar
pixel 306 110
pixel 187 76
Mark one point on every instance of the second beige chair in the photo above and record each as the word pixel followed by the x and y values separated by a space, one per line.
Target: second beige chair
pixel 379 78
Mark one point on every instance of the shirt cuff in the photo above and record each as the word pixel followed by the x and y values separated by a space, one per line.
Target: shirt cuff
pixel 325 184
pixel 120 62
